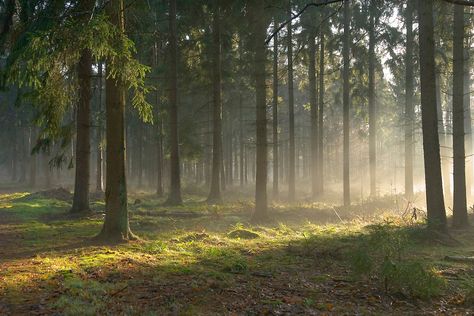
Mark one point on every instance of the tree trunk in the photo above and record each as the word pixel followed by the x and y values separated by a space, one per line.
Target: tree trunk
pixel 275 114
pixel 429 117
pixel 409 108
pixel 116 225
pixel 468 122
pixel 320 115
pixel 241 142
pixel 258 36
pixel 346 88
pixel 174 197
pixel 217 150
pixel 99 186
pixel 291 112
pixel 33 158
pixel 314 115
pixel 460 201
pixel 372 112
pixel 80 201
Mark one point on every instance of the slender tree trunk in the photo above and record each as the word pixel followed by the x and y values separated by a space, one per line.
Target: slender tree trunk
pixel 100 142
pixel 33 158
pixel 23 154
pixel 116 225
pixel 409 108
pixel 217 150
pixel 174 197
pixel 275 114
pixel 159 158
pixel 314 115
pixel 14 154
pixel 346 88
pixel 468 122
pixel 80 201
pixel 241 142
pixel 321 114
pixel 139 154
pixel 291 111
pixel 431 153
pixel 372 112
pixel 259 28
pixel 460 201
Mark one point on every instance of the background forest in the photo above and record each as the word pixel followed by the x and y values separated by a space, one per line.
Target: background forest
pixel 236 156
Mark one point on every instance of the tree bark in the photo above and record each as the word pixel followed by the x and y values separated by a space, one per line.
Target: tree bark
pixel 321 114
pixel 258 38
pixel 346 88
pixel 460 201
pixel 217 150
pixel 116 225
pixel 314 115
pixel 409 108
pixel 80 201
pixel 275 192
pixel 291 112
pixel 468 121
pixel 433 180
pixel 372 111
pixel 174 197
pixel 99 187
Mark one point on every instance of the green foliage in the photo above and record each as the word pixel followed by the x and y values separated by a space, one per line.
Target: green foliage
pixel 47 66
pixel 381 254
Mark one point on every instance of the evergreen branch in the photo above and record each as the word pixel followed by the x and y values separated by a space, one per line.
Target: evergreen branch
pixel 461 2
pixel 326 2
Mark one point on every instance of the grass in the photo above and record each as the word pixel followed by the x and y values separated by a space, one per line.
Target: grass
pixel 216 262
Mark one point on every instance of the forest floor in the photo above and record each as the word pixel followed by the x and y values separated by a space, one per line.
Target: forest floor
pixel 199 259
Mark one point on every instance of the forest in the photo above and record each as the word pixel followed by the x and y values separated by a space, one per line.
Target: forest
pixel 236 157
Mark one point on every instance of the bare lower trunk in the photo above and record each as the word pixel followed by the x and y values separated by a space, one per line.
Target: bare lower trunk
pixel 174 197
pixel 275 115
pixel 83 151
pixel 320 115
pixel 217 150
pixel 99 187
pixel 372 113
pixel 314 115
pixel 460 201
pixel 346 87
pixel 409 109
pixel 291 112
pixel 258 37
pixel 431 153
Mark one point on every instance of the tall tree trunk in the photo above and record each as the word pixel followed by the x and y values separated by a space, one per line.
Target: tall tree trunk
pixel 139 152
pixel 460 201
pixel 116 225
pixel 346 88
pixel 321 114
pixel 291 111
pixel 80 202
pixel 241 142
pixel 99 185
pixel 314 115
pixel 14 153
pixel 409 108
pixel 217 150
pixel 174 197
pixel 159 158
pixel 372 112
pixel 429 118
pixel 33 157
pixel 443 140
pixel 275 114
pixel 258 40
pixel 468 121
